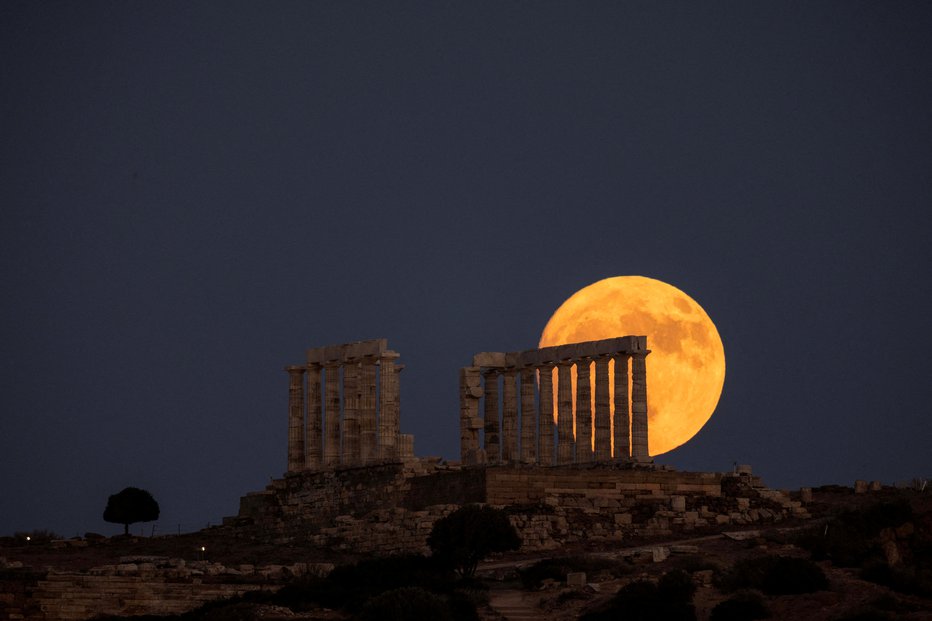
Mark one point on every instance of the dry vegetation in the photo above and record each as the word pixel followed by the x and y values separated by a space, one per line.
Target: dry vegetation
pixel 861 557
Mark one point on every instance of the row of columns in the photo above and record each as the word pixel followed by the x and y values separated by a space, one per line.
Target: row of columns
pixel 344 412
pixel 500 419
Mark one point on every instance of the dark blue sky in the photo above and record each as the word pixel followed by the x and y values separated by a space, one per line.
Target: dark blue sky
pixel 191 194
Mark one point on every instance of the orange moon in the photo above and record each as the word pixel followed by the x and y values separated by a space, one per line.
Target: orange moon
pixel 686 367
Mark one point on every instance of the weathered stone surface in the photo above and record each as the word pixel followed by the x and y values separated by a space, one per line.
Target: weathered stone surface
pixel 389 406
pixel 566 449
pixel 509 438
pixel 545 415
pixel 622 416
pixel 295 418
pixel 470 421
pixel 528 416
pixel 583 412
pixel 347 351
pixel 576 579
pixel 603 421
pixel 639 440
pixel 491 418
pixel 332 452
pixel 313 445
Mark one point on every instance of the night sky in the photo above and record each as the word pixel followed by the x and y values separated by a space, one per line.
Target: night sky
pixel 192 194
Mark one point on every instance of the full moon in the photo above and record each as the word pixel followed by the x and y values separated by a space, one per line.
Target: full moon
pixel 686 367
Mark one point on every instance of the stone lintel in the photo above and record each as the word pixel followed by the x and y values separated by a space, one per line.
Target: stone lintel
pixel 573 351
pixel 489 359
pixel 373 348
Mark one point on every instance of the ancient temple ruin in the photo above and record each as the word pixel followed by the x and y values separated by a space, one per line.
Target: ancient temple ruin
pixel 343 408
pixel 518 430
pixel 569 475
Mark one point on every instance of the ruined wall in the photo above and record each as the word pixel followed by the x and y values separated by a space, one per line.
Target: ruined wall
pixel 391 508
pixel 151 585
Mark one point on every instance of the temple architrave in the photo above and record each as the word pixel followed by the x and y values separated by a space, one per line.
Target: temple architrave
pixel 344 408
pixel 525 434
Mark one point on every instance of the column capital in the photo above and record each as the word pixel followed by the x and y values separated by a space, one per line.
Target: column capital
pixel 294 368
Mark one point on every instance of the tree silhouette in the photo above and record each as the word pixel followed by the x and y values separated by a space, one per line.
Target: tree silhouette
pixel 469 534
pixel 130 506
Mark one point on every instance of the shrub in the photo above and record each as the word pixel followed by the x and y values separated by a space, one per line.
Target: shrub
pixel 676 586
pixel 469 534
pixel 775 575
pixel 405 604
pixel 851 538
pixel 743 606
pixel 646 601
pixel 348 586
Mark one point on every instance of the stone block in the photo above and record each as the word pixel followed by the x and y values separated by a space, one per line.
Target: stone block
pixel 860 487
pixel 678 503
pixel 576 579
pixel 659 553
pixel 805 494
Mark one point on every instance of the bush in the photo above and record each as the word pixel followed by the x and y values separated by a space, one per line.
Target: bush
pixel 744 606
pixel 851 539
pixel 469 534
pixel 775 575
pixel 676 586
pixel 669 600
pixel 405 604
pixel 348 586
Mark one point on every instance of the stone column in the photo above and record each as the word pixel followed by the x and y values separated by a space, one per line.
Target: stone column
pixel 490 416
pixel 389 418
pixel 545 456
pixel 470 422
pixel 622 422
pixel 332 449
pixel 314 439
pixel 368 397
pixel 603 414
pixel 583 412
pixel 295 418
pixel 639 444
pixel 565 442
pixel 528 416
pixel 510 416
pixel 351 454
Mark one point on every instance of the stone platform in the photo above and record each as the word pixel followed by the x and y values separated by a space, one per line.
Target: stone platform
pixel 391 508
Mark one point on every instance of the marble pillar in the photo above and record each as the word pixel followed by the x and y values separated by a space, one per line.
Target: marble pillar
pixel 509 416
pixel 389 407
pixel 622 416
pixel 528 416
pixel 491 419
pixel 565 441
pixel 470 422
pixel 603 415
pixel 295 418
pixel 351 455
pixel 332 448
pixel 545 456
pixel 639 440
pixel 314 440
pixel 583 412
pixel 368 398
